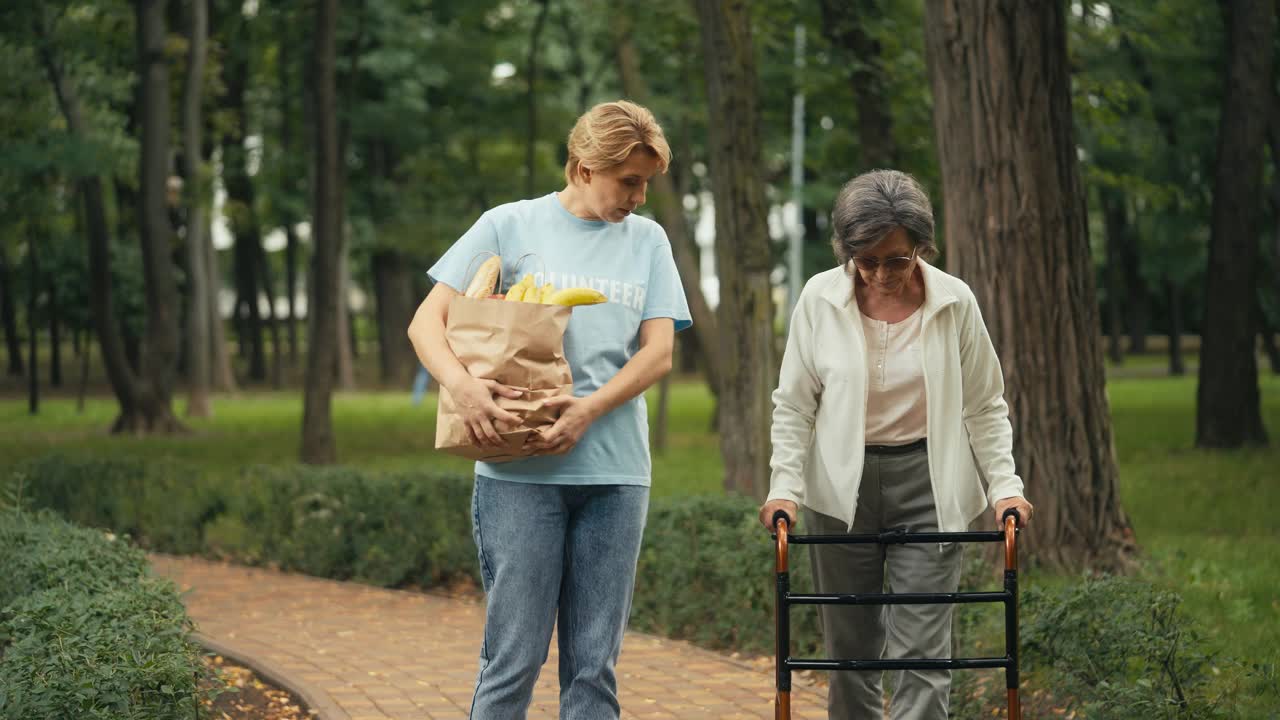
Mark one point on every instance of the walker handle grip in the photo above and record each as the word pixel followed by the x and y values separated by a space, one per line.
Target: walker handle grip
pixel 780 515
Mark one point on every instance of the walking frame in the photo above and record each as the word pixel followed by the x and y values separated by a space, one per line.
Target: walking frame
pixel 786 599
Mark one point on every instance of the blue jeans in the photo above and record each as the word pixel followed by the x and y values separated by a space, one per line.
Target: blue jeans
pixel 554 556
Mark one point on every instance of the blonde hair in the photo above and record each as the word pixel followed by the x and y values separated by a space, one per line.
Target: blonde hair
pixel 606 134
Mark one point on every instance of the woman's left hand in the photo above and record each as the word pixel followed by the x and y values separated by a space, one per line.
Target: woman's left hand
pixel 1020 504
pixel 576 415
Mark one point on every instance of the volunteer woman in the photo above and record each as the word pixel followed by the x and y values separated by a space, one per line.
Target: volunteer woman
pixel 559 535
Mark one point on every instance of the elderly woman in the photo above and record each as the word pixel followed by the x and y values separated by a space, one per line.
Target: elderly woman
pixel 559 534
pixel 889 411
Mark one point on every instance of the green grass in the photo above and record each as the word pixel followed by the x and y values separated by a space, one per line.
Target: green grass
pixel 1154 363
pixel 378 430
pixel 1206 520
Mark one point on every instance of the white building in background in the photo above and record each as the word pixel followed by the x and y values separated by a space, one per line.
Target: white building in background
pixel 273 241
pixel 780 220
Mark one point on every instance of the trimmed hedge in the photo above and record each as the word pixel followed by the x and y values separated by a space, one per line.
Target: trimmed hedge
pixel 388 530
pixel 705 571
pixel 706 574
pixel 86 631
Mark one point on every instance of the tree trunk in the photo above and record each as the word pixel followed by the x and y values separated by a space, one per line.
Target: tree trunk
pixel 84 377
pixel 531 98
pixel 248 314
pixel 670 209
pixel 1016 231
pixel 101 306
pixel 198 355
pixel 241 206
pixel 1266 334
pixel 1114 222
pixel 154 389
pixel 13 343
pixel 142 407
pixel 1273 138
pixel 224 378
pixel 1228 409
pixel 1177 367
pixel 132 348
pixel 288 148
pixel 1137 303
pixel 55 336
pixel 33 326
pixel 393 291
pixel 743 259
pixel 273 322
pixel 844 23
pixel 660 423
pixel 291 288
pixel 322 352
pixel 346 338
pixel 346 333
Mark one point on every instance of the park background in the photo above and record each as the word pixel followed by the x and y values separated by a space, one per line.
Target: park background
pixel 216 217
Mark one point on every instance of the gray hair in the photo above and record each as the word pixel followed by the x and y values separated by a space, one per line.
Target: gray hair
pixel 876 203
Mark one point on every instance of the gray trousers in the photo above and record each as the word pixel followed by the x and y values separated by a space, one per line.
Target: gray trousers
pixel 895 493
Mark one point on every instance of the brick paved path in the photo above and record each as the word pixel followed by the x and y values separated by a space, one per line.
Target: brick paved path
pixel 356 652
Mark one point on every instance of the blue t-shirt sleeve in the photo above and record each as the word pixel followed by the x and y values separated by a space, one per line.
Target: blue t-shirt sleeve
pixel 665 295
pixel 457 265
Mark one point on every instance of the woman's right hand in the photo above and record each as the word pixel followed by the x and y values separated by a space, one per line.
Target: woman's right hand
pixel 768 509
pixel 475 400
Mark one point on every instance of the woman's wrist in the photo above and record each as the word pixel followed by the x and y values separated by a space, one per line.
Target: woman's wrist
pixel 593 405
pixel 452 380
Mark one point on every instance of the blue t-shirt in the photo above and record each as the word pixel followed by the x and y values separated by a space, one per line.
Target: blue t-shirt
pixel 631 263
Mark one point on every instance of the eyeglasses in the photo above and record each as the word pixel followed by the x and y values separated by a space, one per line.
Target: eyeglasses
pixel 893 264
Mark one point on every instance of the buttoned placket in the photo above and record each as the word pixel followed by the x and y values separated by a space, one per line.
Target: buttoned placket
pixel 882 349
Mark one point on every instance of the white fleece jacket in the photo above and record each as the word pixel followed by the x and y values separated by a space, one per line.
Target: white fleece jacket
pixel 819 408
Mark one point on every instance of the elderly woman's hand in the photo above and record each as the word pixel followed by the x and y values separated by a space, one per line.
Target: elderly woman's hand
pixel 768 509
pixel 1020 504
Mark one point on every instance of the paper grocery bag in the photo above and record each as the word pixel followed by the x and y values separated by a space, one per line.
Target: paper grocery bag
pixel 518 344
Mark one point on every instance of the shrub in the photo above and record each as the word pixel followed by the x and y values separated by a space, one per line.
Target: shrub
pixel 1122 649
pixel 387 530
pixel 706 574
pixel 1102 648
pixel 163 505
pixel 86 631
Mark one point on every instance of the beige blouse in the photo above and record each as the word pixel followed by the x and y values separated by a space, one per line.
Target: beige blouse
pixel 896 406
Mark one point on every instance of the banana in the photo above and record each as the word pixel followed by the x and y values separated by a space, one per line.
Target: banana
pixel 547 291
pixel 533 295
pixel 518 291
pixel 577 296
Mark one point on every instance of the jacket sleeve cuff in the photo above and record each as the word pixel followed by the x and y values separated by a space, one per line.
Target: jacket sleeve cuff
pixel 785 493
pixel 1006 490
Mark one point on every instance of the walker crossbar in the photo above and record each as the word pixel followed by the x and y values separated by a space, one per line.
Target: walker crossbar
pixel 785 599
